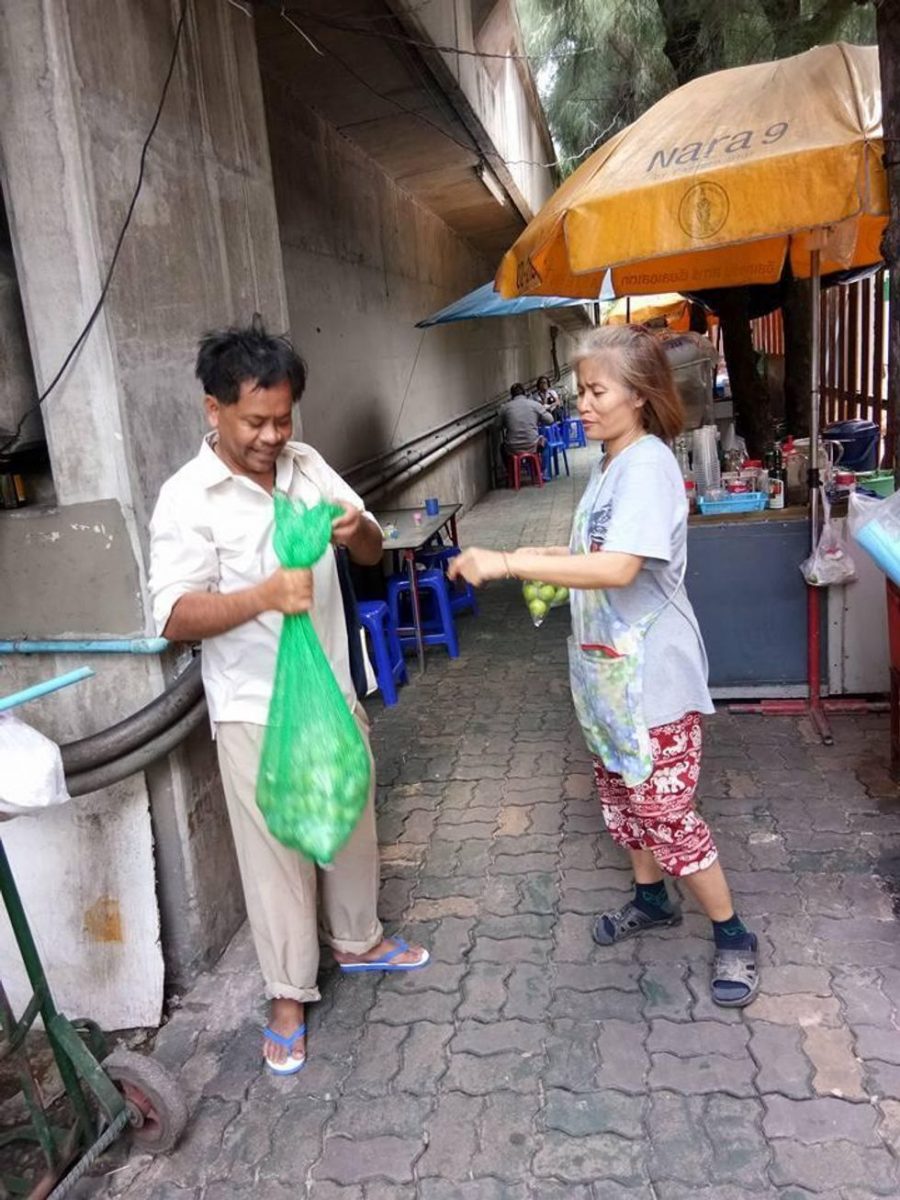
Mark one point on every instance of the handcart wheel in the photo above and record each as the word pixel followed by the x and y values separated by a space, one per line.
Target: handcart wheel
pixel 157 1110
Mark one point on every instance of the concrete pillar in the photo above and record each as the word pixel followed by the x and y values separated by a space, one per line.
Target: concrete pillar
pixel 79 86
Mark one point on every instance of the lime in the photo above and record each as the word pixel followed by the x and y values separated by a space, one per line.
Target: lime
pixel 538 610
pixel 547 592
pixel 530 592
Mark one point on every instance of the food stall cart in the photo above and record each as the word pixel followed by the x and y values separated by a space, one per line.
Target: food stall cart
pixel 673 202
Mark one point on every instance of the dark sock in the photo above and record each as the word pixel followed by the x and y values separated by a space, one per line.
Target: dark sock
pixel 732 934
pixel 653 899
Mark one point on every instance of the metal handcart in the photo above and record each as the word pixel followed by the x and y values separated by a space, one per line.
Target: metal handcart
pixel 105 1094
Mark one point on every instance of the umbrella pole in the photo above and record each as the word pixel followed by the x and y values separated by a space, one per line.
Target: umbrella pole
pixel 813 599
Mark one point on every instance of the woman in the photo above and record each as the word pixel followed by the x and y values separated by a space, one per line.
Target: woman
pixel 637 664
pixel 549 397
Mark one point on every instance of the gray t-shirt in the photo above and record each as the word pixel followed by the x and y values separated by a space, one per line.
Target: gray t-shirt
pixel 638 506
pixel 522 416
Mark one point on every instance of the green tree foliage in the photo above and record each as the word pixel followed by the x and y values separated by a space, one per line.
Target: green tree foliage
pixel 604 62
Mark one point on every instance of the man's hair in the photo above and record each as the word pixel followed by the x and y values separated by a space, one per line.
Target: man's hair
pixel 517 389
pixel 229 357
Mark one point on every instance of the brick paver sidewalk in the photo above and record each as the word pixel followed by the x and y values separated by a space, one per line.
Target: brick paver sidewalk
pixel 526 1061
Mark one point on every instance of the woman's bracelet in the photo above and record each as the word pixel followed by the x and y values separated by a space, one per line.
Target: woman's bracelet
pixel 509 574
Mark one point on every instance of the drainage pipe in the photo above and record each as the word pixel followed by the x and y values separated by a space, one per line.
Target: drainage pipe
pixel 375 473
pixel 83 782
pixel 143 726
pixel 411 470
pixel 413 463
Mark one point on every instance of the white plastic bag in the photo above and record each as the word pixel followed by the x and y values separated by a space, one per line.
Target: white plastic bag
pixel 830 563
pixel 31 769
pixel 875 525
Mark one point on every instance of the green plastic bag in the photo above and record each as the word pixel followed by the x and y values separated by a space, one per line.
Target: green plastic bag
pixel 315 769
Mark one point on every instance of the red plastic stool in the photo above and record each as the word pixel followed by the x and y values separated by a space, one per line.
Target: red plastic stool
pixel 532 460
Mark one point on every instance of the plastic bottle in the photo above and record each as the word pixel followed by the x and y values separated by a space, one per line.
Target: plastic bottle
pixel 776 479
pixel 682 456
pixel 690 492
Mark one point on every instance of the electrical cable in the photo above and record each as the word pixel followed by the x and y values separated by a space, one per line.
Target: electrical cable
pixel 410 112
pixel 82 337
pixel 420 116
pixel 569 158
pixel 346 27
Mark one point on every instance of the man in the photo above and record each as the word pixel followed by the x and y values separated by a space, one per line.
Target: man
pixel 214 577
pixel 521 417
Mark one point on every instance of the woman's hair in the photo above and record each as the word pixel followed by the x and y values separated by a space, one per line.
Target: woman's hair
pixel 543 379
pixel 639 361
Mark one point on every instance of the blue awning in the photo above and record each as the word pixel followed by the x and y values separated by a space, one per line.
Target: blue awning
pixel 485 302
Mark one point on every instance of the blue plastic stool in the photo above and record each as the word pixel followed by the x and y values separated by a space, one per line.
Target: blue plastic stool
pixel 390 667
pixel 574 432
pixel 438 629
pixel 462 594
pixel 555 445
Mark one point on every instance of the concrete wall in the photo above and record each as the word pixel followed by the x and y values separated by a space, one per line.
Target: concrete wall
pixel 202 250
pixel 348 261
pixel 363 262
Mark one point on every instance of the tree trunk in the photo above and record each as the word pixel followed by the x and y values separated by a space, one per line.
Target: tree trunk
pixel 749 392
pixel 797 314
pixel 683 30
pixel 888 26
pixel 693 45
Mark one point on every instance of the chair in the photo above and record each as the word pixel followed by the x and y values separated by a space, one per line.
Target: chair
pixel 574 432
pixel 390 667
pixel 531 459
pixel 556 445
pixel 438 628
pixel 462 594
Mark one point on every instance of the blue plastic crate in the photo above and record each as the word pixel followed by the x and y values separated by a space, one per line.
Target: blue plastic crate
pixel 740 502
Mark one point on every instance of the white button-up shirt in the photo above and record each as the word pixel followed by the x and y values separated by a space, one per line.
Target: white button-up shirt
pixel 211 531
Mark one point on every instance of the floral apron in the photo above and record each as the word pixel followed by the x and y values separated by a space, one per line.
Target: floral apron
pixel 606 665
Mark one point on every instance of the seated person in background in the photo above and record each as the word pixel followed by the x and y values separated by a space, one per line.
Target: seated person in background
pixel 549 398
pixel 521 417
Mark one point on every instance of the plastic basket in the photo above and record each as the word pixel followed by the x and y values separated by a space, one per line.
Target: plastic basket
pixel 741 502
pixel 879 482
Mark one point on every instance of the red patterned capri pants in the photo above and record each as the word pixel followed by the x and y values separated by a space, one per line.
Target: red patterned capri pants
pixel 659 815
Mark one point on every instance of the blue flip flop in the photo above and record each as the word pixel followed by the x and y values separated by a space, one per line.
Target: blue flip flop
pixel 291 1064
pixel 386 963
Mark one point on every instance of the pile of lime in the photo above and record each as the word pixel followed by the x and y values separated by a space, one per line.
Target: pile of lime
pixel 541 597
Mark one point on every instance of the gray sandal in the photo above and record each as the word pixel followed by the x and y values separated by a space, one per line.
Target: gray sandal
pixel 733 969
pixel 629 920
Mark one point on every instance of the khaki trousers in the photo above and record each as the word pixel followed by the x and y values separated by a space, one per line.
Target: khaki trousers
pixel 291 903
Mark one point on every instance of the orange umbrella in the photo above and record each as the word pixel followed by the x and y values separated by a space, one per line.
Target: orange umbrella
pixel 719 183
pixel 674 308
